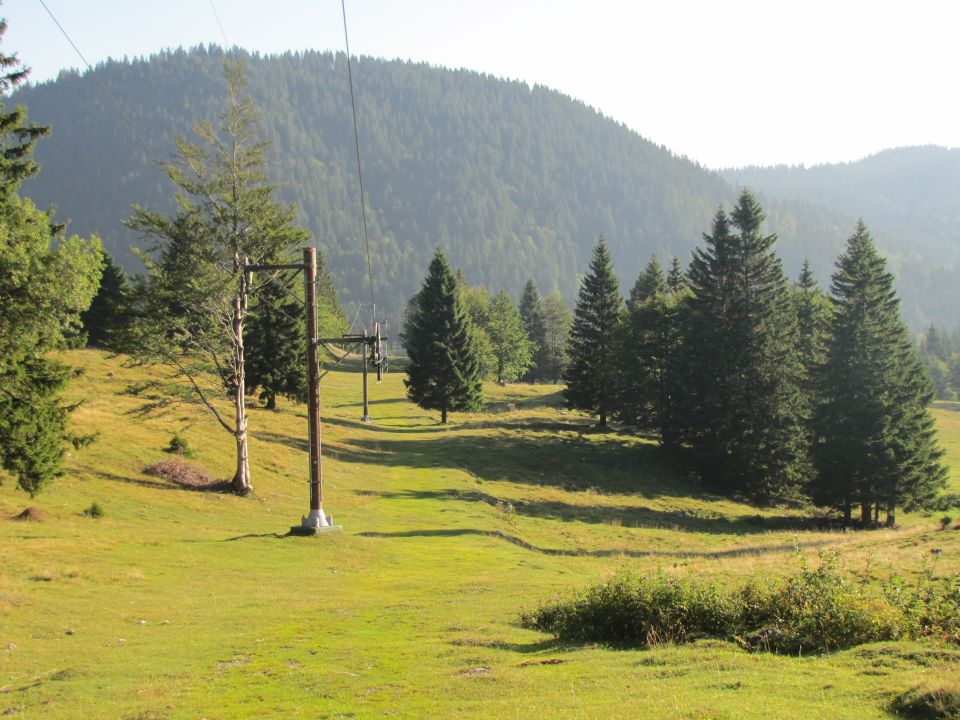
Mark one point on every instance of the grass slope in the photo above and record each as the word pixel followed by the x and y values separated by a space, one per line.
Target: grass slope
pixel 180 604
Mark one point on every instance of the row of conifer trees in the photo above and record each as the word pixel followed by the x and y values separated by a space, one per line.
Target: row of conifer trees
pixel 775 390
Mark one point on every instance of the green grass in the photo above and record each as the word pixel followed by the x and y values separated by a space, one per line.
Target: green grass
pixel 181 604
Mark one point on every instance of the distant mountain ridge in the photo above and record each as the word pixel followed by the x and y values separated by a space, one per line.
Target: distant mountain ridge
pixel 514 181
pixel 910 198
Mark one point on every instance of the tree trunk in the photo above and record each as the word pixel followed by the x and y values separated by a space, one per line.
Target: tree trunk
pixel 847 514
pixel 241 478
pixel 443 416
pixel 891 515
pixel 271 401
pixel 865 514
pixel 603 421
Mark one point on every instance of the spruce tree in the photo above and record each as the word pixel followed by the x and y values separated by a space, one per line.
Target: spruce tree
pixel 532 315
pixel 876 444
pixel 650 351
pixel 109 314
pixel 676 279
pixel 812 309
pixel 46 281
pixel 649 282
pixel 743 408
pixel 593 370
pixel 444 369
pixel 276 351
pixel 557 320
pixel 511 346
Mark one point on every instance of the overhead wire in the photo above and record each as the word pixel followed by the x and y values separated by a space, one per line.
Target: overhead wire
pixel 356 138
pixel 96 77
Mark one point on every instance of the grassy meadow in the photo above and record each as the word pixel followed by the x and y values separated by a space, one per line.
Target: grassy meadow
pixel 184 604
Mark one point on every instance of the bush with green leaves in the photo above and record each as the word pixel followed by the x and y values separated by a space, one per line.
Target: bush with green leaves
pixel 179 446
pixel 820 609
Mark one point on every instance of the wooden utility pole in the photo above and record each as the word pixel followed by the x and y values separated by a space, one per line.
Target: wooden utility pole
pixel 316 519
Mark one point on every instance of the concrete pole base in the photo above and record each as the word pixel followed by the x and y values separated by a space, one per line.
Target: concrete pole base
pixel 314 523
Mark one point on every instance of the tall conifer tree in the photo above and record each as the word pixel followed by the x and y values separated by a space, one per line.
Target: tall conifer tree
pixel 592 375
pixel 743 409
pixel 651 349
pixel 532 315
pixel 444 369
pixel 877 444
pixel 46 281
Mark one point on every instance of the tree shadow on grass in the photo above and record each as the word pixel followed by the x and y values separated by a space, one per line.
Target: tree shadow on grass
pixel 608 465
pixel 581 552
pixel 114 477
pixel 627 517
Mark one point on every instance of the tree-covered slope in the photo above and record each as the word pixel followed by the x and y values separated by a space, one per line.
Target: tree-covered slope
pixel 910 197
pixel 513 181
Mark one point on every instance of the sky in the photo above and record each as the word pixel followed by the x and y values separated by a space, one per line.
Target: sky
pixel 727 83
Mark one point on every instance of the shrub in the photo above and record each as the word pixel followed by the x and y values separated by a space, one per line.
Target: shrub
pixel 179 446
pixel 816 610
pixel 94 511
pixel 945 522
pixel 819 610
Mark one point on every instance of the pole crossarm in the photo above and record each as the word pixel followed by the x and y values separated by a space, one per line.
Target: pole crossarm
pixel 289 266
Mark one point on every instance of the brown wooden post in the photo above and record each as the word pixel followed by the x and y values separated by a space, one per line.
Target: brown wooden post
pixel 366 407
pixel 316 519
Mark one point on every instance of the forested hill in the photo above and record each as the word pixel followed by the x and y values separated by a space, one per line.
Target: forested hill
pixel 913 194
pixel 513 181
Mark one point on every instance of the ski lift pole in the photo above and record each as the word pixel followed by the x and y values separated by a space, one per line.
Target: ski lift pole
pixel 316 521
pixel 366 406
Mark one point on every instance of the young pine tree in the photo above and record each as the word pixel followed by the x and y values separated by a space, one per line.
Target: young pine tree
pixel 109 314
pixel 276 350
pixel 593 370
pixel 557 320
pixel 444 369
pixel 876 442
pixel 534 323
pixel 512 348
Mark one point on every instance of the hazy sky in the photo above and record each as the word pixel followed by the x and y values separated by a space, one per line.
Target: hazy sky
pixel 725 82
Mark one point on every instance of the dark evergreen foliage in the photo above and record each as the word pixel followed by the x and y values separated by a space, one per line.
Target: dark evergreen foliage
pixel 486 168
pixel 593 371
pixel 275 343
pixel 876 444
pixel 534 323
pixel 649 282
pixel 46 281
pixel 444 369
pixel 651 347
pixel 742 408
pixel 676 278
pixel 108 316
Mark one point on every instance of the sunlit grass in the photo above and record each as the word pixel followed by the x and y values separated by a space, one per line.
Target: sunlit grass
pixel 182 604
